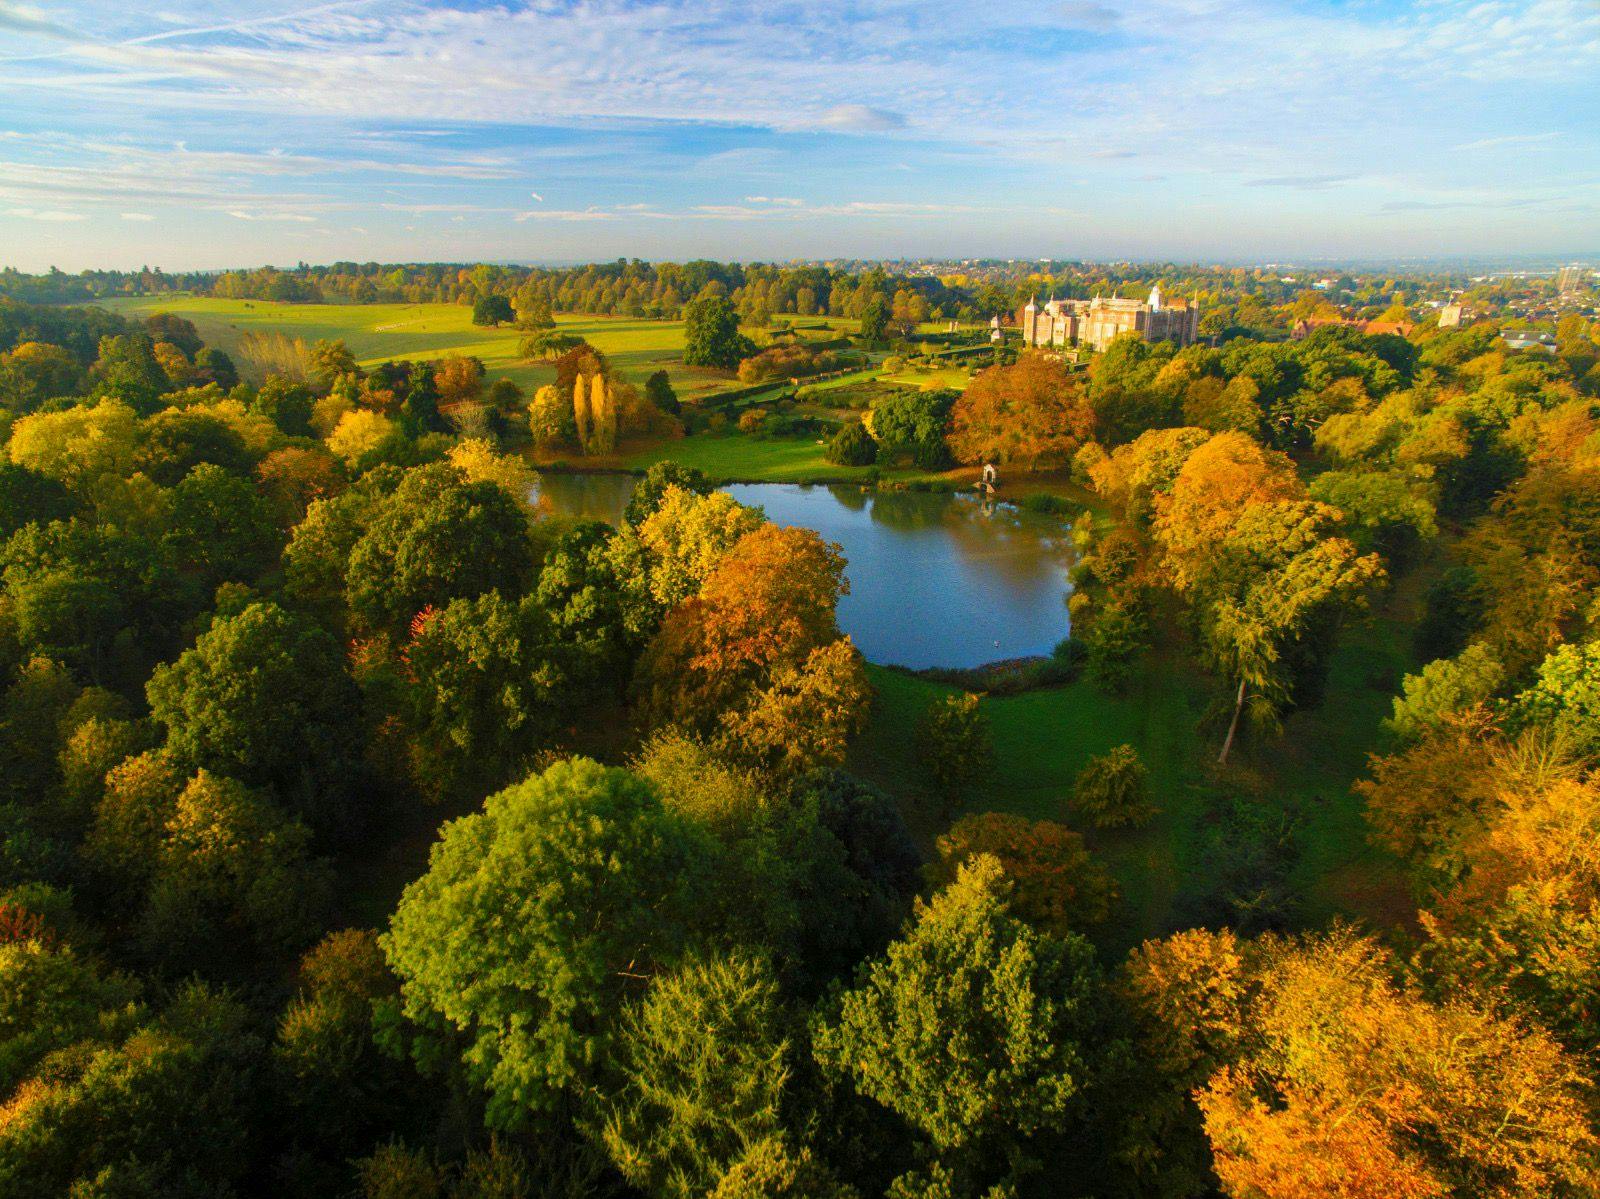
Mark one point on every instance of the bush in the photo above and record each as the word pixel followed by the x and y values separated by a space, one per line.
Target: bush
pixel 753 421
pixel 852 445
pixel 954 746
pixel 1112 790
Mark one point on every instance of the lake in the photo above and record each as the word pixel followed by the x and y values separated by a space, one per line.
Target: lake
pixel 935 579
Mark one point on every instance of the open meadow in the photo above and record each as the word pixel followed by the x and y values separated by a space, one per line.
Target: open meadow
pixel 385 332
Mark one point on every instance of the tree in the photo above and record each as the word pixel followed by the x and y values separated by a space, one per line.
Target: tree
pixel 771 1169
pixel 1566 695
pixel 77 445
pixel 211 365
pixel 359 433
pixel 233 888
pixel 1112 790
pixel 538 919
pixel 852 445
pixel 702 1066
pixel 594 586
pixel 1053 883
pixel 458 378
pixel 339 1090
pixel 263 697
pixel 292 478
pixel 970 1026
pixel 331 360
pixel 874 317
pixel 652 487
pixel 711 334
pixel 550 420
pixel 219 527
pixel 493 310
pixel 913 423
pixel 286 404
pixel 177 440
pixel 688 535
pixel 436 538
pixel 1271 588
pixel 805 718
pixel 1352 1086
pixel 1186 996
pixel 658 390
pixel 1445 688
pixel 1033 414
pixel 486 692
pixel 954 747
pixel 768 604
pixel 151 1105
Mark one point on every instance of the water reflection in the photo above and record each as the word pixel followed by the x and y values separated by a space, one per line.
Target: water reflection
pixel 935 579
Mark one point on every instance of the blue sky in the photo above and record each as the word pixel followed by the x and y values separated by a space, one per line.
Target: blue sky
pixel 248 132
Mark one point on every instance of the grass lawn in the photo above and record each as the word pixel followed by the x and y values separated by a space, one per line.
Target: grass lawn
pixel 383 332
pixel 1043 738
pixel 737 457
pixel 955 378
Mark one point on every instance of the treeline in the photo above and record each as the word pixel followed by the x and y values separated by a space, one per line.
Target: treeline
pixel 1234 301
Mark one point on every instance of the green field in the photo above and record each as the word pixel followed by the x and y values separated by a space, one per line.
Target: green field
pixel 384 332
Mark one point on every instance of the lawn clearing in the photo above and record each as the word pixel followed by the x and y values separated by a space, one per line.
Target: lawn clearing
pixel 379 333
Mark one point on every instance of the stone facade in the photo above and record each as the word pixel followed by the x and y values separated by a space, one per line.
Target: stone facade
pixel 1097 322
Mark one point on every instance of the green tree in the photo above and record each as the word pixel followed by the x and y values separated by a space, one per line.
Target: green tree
pixel 702 1065
pixel 151 1105
pixel 1113 790
pixel 537 920
pixel 1444 688
pixel 852 445
pixel 658 390
pixel 651 488
pixel 1566 694
pixel 233 887
pixel 875 317
pixel 220 528
pixel 913 424
pixel 970 1027
pixel 493 310
pixel 264 697
pixel 437 538
pixel 954 746
pixel 487 692
pixel 711 334
pixel 286 404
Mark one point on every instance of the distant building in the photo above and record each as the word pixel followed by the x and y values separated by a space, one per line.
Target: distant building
pixel 1570 278
pixel 1528 339
pixel 1099 321
pixel 1454 314
pixel 995 334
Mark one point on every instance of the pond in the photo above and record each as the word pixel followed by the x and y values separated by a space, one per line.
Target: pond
pixel 935 579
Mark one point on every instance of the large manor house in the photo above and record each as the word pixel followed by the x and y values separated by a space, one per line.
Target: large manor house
pixel 1096 322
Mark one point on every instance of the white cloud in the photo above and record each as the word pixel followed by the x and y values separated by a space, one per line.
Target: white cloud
pixel 137 216
pixel 46 214
pixel 861 118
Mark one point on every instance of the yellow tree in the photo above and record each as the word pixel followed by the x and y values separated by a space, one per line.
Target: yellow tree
pixel 1351 1086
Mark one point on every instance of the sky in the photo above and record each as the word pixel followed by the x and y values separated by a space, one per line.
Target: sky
pixel 248 132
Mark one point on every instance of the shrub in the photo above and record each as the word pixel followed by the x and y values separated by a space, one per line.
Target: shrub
pixel 852 445
pixel 1112 790
pixel 954 746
